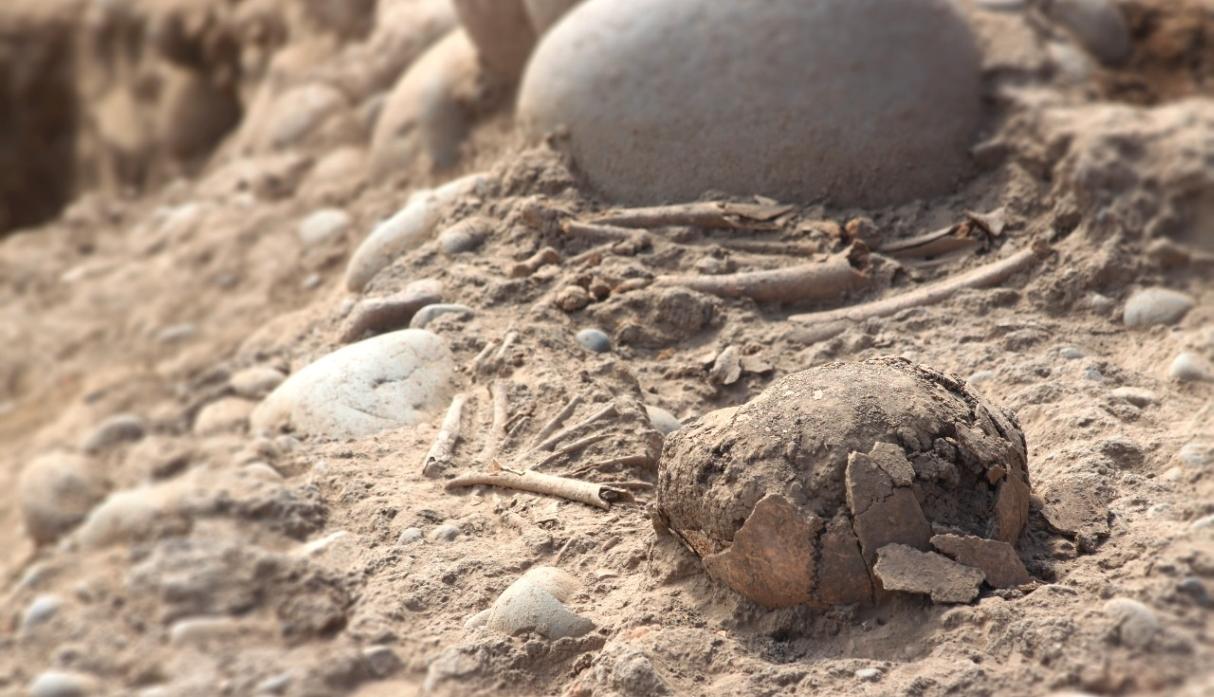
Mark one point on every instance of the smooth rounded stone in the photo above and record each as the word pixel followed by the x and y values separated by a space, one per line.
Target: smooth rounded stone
pixel 981 376
pixel 407 229
pixel 381 660
pixel 177 333
pixel 531 605
pixel 1152 306
pixel 389 381
pixel 408 536
pixel 1134 623
pixel 121 428
pixel 850 482
pixel 40 610
pixel 1093 374
pixel 274 685
pixel 378 315
pixel 1203 523
pixel 595 340
pixel 429 313
pixel 56 491
pixel 323 226
pixel 1197 454
pixel 199 631
pixel 225 415
pixel 1137 396
pixel 296 113
pixel 1070 353
pixel 133 514
pixel 1097 24
pixel 1190 367
pixel 545 13
pixel 663 421
pixel 502 32
pixel 60 683
pixel 430 110
pixel 868 674
pixel 862 102
pixel 464 236
pixel 262 472
pixel 444 533
pixel 256 382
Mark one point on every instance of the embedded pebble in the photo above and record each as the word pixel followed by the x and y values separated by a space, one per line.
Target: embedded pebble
pixel 594 340
pixel 628 80
pixel 198 631
pixel 1134 623
pixel 1097 24
pixel 1070 353
pixel 381 660
pixel 121 428
pixel 56 491
pixel 534 603
pixel 256 382
pixel 464 236
pixel 663 421
pixel 404 231
pixel 131 514
pixel 1190 367
pixel 262 471
pixel 274 685
pixel 1152 306
pixel 41 610
pixel 226 415
pixel 408 536
pixel 572 298
pixel 57 683
pixel 378 315
pixel 1197 454
pixel 868 674
pixel 445 533
pixel 1203 523
pixel 1093 374
pixel 981 376
pixel 1137 396
pixel 323 226
pixel 388 381
pixel 176 333
pixel 429 313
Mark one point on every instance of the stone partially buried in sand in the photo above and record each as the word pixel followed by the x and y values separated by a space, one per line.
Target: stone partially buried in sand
pixel 864 102
pixel 385 382
pixel 535 603
pixel 1156 306
pixel 56 491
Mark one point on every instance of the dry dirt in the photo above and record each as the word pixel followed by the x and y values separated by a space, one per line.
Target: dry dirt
pixel 170 271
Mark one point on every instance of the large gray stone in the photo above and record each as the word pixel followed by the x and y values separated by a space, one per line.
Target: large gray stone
pixel 1156 306
pixel 859 101
pixel 388 381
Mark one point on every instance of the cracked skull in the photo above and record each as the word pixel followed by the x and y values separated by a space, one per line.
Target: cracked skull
pixel 794 497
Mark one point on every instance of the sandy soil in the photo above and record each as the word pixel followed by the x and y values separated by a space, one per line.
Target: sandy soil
pixel 146 301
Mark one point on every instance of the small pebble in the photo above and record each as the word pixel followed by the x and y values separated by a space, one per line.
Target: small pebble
pixel 868 674
pixel 594 340
pixel 1136 396
pixel 1195 589
pixel 56 683
pixel 1093 375
pixel 287 443
pixel 311 282
pixel 464 236
pixel 1190 367
pixel 1152 306
pixel 262 471
pixel 122 428
pixel 256 382
pixel 42 609
pixel 323 226
pixel 176 333
pixel 445 533
pixel 663 421
pixel 1136 624
pixel 56 491
pixel 199 631
pixel 381 660
pixel 225 415
pixel 981 376
pixel 428 313
pixel 408 536
pixel 572 298
pixel 1203 523
pixel 274 685
pixel 1197 454
pixel 1070 353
